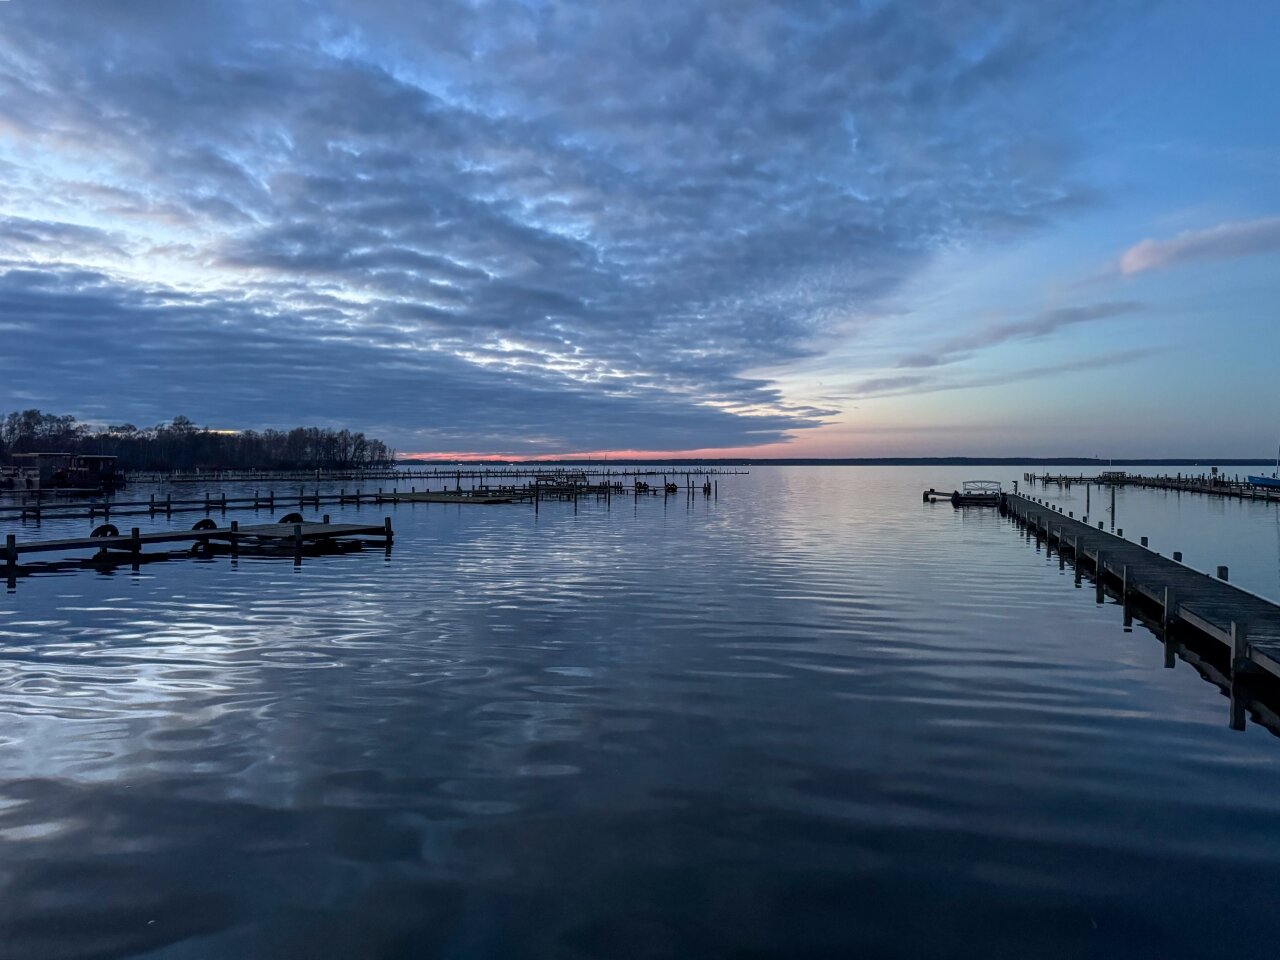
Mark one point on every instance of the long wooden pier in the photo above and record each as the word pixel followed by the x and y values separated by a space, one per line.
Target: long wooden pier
pixel 291 535
pixel 545 487
pixel 1216 485
pixel 1245 624
pixel 454 474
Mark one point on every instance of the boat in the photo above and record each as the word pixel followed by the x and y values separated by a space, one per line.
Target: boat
pixel 978 493
pixel 972 493
pixel 1272 482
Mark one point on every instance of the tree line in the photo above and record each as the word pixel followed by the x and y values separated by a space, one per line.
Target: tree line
pixel 181 445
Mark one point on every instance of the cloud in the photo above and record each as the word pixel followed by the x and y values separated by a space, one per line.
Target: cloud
pixel 922 384
pixel 1040 325
pixel 1226 241
pixel 587 220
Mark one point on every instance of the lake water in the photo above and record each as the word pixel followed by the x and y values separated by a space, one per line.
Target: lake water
pixel 812 718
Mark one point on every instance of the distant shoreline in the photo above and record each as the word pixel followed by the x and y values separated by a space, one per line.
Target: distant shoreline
pixel 863 462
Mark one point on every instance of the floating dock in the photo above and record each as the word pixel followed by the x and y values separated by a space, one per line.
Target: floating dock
pixel 292 535
pixel 1246 625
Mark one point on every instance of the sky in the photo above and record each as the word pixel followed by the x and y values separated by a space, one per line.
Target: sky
pixel 723 228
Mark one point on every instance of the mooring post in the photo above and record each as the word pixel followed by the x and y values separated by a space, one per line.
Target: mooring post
pixel 326 518
pixel 1177 556
pixel 1239 646
pixel 168 505
pixel 135 547
pixel 224 501
pixel 1222 573
pixel 11 559
pixel 386 528
pixel 297 544
pixel 235 538
pixel 151 508
pixel 1099 570
pixel 1120 532
pixel 1170 613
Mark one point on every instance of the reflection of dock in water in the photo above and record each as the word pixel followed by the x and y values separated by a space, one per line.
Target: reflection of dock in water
pixel 1226 632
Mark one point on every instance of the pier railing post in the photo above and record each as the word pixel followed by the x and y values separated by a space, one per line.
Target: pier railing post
pixel 1239 646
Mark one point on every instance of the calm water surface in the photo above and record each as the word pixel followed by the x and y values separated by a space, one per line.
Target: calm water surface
pixel 814 718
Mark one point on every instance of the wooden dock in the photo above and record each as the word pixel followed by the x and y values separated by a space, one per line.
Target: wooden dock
pixel 504 473
pixel 291 536
pixel 1215 485
pixel 544 487
pixel 1244 625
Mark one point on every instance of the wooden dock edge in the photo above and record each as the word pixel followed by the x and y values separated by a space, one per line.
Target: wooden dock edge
pixel 1247 625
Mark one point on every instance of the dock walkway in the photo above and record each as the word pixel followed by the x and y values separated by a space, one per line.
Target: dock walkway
pixel 1249 625
pixel 291 533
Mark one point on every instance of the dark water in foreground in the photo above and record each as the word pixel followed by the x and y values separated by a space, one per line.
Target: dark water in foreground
pixel 813 719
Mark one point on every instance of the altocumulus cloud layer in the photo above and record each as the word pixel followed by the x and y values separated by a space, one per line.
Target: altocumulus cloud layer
pixel 509 226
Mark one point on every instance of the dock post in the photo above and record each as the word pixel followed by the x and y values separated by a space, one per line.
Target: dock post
pixel 1177 556
pixel 386 528
pixel 1143 541
pixel 135 547
pixel 1120 532
pixel 1222 573
pixel 1239 647
pixel 168 505
pixel 297 544
pixel 1099 570
pixel 1170 613
pixel 151 509
pixel 1113 507
pixel 206 501
pixel 11 559
pixel 1087 488
pixel 235 539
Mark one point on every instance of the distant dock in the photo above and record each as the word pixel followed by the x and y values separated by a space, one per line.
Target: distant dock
pixel 1216 485
pixel 1245 625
